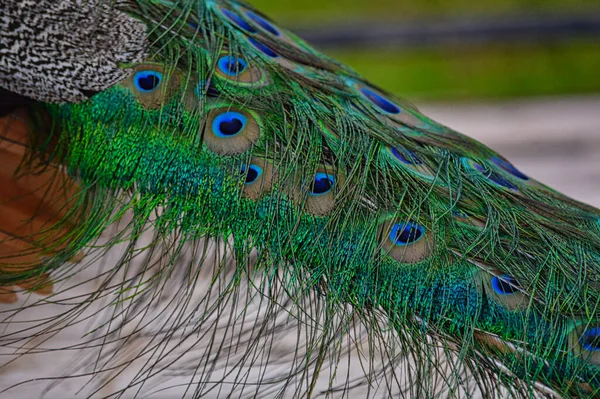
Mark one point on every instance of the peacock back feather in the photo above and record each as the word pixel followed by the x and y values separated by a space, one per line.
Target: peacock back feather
pixel 206 122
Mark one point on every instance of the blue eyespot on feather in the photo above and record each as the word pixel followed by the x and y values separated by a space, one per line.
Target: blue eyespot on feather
pixel 263 48
pixel 406 156
pixel 379 101
pixel 590 340
pixel 489 174
pixel 228 124
pixel 147 81
pixel 232 66
pixel 322 184
pixel 406 233
pixel 495 177
pixel 508 168
pixel 505 284
pixel 252 173
pixel 262 23
pixel 237 21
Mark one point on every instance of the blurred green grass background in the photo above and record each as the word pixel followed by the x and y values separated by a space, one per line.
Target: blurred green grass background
pixel 508 70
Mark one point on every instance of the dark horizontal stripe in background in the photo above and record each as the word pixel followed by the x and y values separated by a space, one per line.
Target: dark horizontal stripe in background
pixel 470 30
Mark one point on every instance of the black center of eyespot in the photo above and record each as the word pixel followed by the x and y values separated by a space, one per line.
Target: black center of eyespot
pixel 147 81
pixel 382 103
pixel 228 124
pixel 235 67
pixel 509 168
pixel 322 183
pixel 505 284
pixel 252 173
pixel 590 340
pixel 406 233
pixel 262 23
pixel 240 23
pixel 406 156
pixel 262 48
pixel 232 66
pixel 231 127
pixel 251 176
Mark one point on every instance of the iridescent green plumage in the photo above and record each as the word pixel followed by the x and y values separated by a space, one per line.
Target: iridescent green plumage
pixel 330 190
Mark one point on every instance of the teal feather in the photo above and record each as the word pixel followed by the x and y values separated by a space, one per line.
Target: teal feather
pixel 361 201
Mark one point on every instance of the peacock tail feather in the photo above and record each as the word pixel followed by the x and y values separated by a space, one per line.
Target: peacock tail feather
pixel 262 169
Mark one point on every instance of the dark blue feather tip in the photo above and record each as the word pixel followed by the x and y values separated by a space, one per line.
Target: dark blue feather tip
pixel 459 214
pixel 322 183
pixel 508 168
pixel 406 156
pixel 232 66
pixel 228 124
pixel 490 175
pixel 499 180
pixel 147 81
pixel 266 25
pixel 406 233
pixel 210 91
pixel 505 284
pixel 379 101
pixel 590 340
pixel 263 48
pixel 237 21
pixel 252 173
pixel 317 102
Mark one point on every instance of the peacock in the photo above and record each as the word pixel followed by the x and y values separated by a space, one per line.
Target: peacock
pixel 225 182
